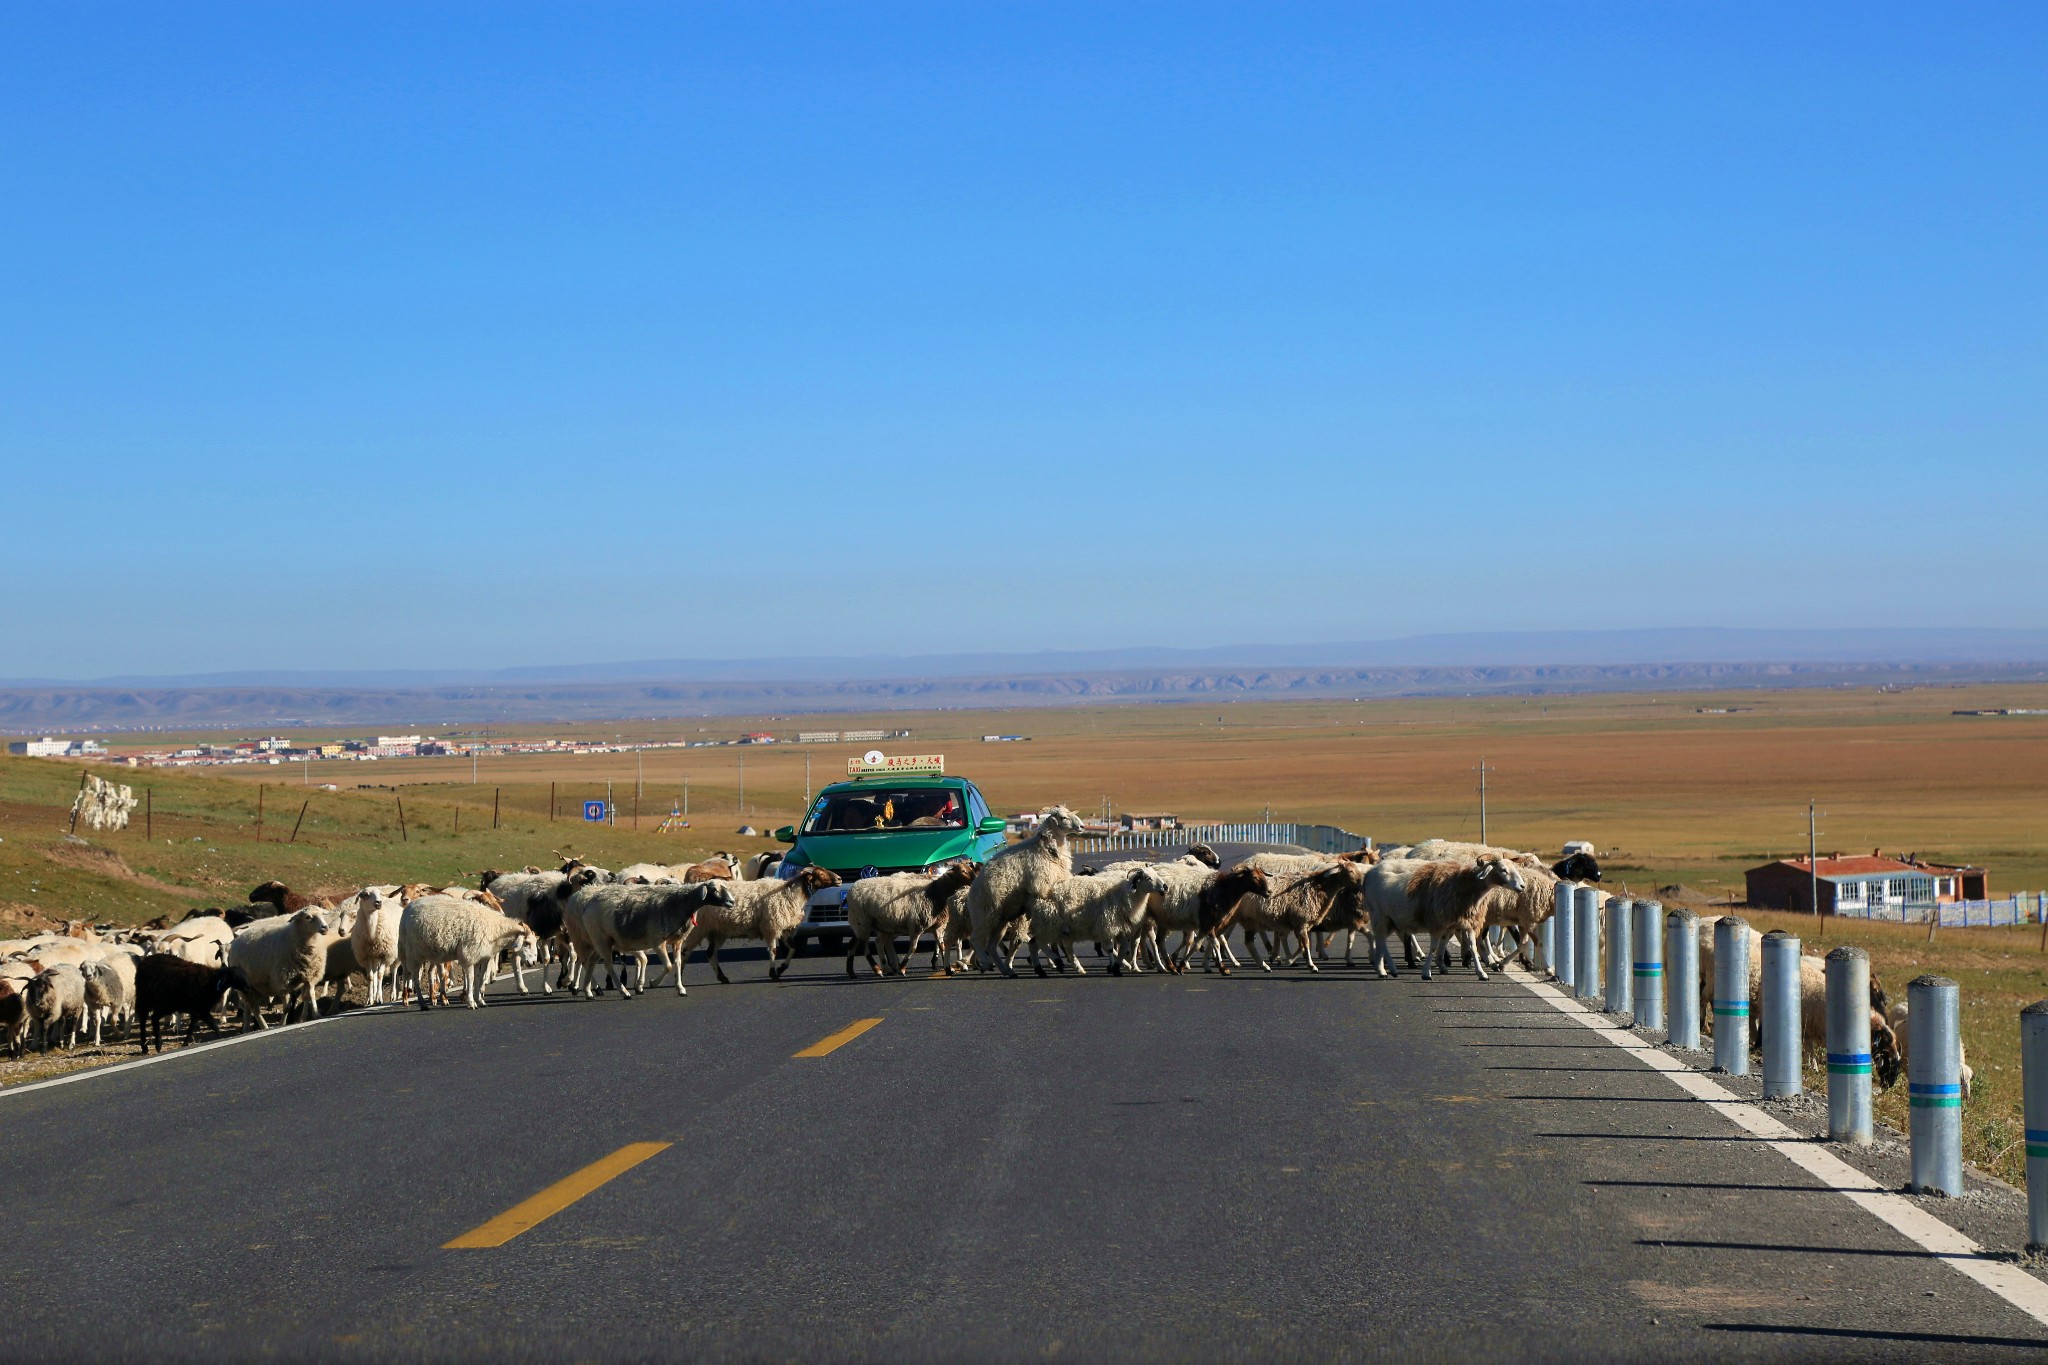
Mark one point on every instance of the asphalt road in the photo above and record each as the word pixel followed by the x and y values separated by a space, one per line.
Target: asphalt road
pixel 1264 1167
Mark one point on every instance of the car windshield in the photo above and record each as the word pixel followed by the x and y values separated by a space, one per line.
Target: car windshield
pixel 880 808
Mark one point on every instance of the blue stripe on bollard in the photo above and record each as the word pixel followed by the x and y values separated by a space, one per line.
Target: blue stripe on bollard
pixel 1934 1096
pixel 1849 1063
pixel 2037 1142
pixel 1739 1011
pixel 1649 969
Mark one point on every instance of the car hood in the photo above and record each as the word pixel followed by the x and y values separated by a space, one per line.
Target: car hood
pixel 899 848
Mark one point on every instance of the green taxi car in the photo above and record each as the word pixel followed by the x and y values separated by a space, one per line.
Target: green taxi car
pixel 870 826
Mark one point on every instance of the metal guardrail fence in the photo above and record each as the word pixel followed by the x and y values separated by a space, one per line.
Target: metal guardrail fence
pixel 2022 907
pixel 1315 838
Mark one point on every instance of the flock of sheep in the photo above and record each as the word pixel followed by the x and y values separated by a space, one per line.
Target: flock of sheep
pixel 284 952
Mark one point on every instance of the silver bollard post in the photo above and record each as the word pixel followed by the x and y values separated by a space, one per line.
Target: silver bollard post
pixel 2034 1084
pixel 1731 995
pixel 1849 1046
pixel 1586 953
pixel 1649 965
pixel 1682 979
pixel 1566 937
pixel 1934 1085
pixel 1781 1015
pixel 1621 915
pixel 1546 945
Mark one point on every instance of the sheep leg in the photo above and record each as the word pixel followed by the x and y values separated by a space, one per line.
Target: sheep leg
pixel 1466 938
pixel 1308 951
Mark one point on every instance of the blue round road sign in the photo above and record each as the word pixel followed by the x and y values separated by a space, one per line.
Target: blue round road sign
pixel 593 810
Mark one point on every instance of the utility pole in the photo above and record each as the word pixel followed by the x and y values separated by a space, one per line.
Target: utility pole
pixel 807 779
pixel 743 784
pixel 1483 770
pixel 639 775
pixel 472 765
pixel 1813 859
pixel 686 796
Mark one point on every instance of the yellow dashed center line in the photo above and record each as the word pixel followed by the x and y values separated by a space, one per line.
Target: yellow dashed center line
pixel 555 1198
pixel 832 1042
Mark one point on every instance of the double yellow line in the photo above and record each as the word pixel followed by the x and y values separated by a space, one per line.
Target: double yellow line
pixel 560 1195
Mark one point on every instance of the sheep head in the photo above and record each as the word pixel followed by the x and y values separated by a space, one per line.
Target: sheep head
pixel 1884 1052
pixel 1059 820
pixel 814 879
pixel 716 893
pixel 1204 855
pixel 1491 867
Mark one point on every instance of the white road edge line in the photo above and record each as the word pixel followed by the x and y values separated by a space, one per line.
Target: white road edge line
pixel 115 1068
pixel 1901 1214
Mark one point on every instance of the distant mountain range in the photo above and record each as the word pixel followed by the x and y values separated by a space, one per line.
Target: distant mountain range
pixel 1526 661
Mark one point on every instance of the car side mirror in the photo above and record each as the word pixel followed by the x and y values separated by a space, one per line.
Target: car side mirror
pixel 787 834
pixel 992 824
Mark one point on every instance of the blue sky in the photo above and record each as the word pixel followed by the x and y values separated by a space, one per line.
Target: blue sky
pixel 441 336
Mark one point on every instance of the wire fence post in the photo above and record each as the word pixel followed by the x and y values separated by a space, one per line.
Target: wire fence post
pixel 494 806
pixel 301 820
pixel 403 837
pixel 259 812
pixel 551 803
pixel 149 812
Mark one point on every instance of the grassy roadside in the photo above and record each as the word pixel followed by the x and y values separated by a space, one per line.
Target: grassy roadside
pixel 204 849
pixel 2000 971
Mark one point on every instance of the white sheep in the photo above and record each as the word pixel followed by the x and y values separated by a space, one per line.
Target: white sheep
pixel 440 928
pixel 1108 908
pixel 905 903
pixel 374 937
pixel 767 911
pixel 109 992
pixel 56 1005
pixel 1445 899
pixel 1014 877
pixel 1903 1038
pixel 283 958
pixel 637 919
pixel 1303 890
pixel 203 939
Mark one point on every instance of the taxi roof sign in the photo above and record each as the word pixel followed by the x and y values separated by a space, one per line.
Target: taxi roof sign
pixel 897 765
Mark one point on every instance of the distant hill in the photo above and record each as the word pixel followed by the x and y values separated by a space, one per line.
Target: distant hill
pixel 1691 645
pixel 1458 664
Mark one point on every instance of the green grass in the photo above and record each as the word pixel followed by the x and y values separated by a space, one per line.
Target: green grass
pixel 1999 971
pixel 203 848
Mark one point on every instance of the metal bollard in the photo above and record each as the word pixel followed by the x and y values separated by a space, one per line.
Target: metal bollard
pixel 1934 1085
pixel 1567 935
pixel 1649 965
pixel 1849 1046
pixel 2034 1083
pixel 1546 945
pixel 1781 1015
pixel 1586 954
pixel 1731 995
pixel 1621 915
pixel 1682 979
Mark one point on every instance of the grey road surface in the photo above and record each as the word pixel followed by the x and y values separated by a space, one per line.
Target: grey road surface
pixel 1283 1167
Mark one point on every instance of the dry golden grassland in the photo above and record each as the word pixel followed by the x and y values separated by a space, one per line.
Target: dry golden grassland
pixel 1670 789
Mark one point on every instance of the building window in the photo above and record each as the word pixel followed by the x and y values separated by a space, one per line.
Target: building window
pixel 1850 893
pixel 1895 889
pixel 1944 886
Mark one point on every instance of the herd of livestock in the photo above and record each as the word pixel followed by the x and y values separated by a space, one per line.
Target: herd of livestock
pixel 287 953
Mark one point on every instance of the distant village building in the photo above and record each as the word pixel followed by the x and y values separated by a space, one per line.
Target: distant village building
pixel 1131 820
pixel 47 747
pixel 1874 886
